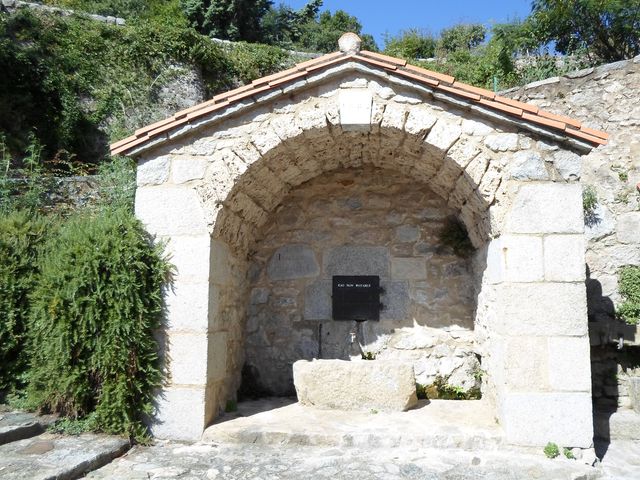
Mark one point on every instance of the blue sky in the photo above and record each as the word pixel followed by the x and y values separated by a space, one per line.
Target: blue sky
pixel 392 16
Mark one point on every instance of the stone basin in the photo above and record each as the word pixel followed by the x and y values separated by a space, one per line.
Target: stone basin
pixel 364 385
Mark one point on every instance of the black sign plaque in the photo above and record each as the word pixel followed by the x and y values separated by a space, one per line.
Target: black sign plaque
pixel 356 297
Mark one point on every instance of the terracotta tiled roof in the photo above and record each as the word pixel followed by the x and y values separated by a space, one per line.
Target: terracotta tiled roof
pixel 395 66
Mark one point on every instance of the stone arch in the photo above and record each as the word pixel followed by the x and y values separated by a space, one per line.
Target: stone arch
pixel 212 190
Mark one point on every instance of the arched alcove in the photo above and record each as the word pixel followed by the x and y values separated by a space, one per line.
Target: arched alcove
pixel 215 180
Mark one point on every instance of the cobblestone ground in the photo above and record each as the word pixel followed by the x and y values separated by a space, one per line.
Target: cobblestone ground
pixel 253 462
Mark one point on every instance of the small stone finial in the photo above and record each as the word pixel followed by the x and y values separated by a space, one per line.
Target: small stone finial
pixel 349 43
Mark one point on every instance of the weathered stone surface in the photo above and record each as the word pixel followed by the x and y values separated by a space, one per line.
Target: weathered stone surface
pixel 16 425
pixel 408 268
pixel 153 171
pixel 360 385
pixel 355 260
pixel 395 300
pixel 180 413
pixel 187 169
pixel 547 208
pixel 502 142
pixel 317 301
pixel 628 227
pixel 527 165
pixel 443 135
pixel 568 164
pixel 524 309
pixel 515 258
pixel 170 211
pixel 569 365
pixel 293 261
pixel 51 456
pixel 564 259
pixel 537 418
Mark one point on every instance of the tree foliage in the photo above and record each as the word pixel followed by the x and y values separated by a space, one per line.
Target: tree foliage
pixel 411 44
pixel 608 30
pixel 227 19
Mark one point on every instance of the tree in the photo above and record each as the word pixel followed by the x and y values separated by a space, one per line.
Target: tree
pixel 608 30
pixel 227 19
pixel 322 35
pixel 463 37
pixel 411 44
pixel 284 26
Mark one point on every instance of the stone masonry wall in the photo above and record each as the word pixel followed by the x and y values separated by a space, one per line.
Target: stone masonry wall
pixel 350 222
pixel 607 99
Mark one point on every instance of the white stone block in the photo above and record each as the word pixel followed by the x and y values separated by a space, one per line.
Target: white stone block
pixel 355 108
pixel 526 363
pixel 515 258
pixel 546 309
pixel 570 364
pixel 547 208
pixel 628 227
pixel 502 142
pixel 359 385
pixel 188 358
pixel 564 258
pixel 190 256
pixel 187 169
pixel 180 414
pixel 443 135
pixel 534 419
pixel 217 360
pixel 170 211
pixel 394 116
pixel 420 120
pixel 188 306
pixel 153 171
pixel 408 268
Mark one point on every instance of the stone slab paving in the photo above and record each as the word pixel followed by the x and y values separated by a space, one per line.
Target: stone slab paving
pixel 466 425
pixel 18 425
pixel 270 462
pixel 57 457
pixel 620 459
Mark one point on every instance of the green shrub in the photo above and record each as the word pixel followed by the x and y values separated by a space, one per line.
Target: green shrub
pixel 96 305
pixel 22 234
pixel 629 285
pixel 551 450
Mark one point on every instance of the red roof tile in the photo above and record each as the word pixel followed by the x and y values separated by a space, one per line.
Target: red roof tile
pixel 394 66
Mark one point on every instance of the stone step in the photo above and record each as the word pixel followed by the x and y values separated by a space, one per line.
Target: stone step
pixel 58 457
pixel 464 425
pixel 19 425
pixel 623 424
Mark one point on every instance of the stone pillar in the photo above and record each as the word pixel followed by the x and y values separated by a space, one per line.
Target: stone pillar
pixel 174 215
pixel 539 338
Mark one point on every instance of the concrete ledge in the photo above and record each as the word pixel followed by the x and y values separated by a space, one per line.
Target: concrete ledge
pixel 359 385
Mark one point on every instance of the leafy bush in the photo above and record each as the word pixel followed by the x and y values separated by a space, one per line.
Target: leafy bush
pixel 22 234
pixel 95 307
pixel 629 285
